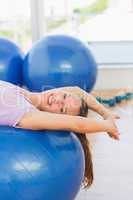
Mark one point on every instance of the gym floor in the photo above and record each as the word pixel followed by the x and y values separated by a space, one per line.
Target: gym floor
pixel 113 163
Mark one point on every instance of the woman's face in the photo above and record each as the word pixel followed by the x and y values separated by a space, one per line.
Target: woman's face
pixel 61 102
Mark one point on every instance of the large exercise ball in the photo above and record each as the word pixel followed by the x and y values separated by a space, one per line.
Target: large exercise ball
pixel 11 62
pixel 57 61
pixel 39 165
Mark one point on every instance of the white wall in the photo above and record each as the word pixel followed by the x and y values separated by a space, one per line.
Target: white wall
pixel 115 76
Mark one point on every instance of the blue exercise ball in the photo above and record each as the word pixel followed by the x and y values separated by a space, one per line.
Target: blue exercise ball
pixel 39 165
pixel 57 61
pixel 11 62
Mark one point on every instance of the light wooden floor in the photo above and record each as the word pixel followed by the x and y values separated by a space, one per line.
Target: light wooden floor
pixel 113 162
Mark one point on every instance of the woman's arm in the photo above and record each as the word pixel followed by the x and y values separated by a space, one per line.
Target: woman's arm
pixel 91 101
pixel 39 120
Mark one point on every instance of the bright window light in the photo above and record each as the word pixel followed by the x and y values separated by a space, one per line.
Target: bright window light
pixel 91 20
pixel 15 21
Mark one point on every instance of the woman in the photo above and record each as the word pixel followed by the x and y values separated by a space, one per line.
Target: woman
pixel 57 109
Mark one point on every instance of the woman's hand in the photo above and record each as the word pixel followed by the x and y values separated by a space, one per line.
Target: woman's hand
pixel 112 115
pixel 113 130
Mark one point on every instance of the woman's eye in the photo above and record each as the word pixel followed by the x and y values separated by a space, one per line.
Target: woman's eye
pixel 61 110
pixel 65 96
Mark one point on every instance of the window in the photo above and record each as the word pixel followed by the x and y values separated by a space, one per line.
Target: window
pixel 105 24
pixel 91 20
pixel 15 21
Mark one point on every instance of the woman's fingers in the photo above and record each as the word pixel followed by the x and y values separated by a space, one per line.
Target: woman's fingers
pixel 114 135
pixel 116 117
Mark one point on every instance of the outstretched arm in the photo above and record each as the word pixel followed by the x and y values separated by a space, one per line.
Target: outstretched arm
pixel 39 120
pixel 91 101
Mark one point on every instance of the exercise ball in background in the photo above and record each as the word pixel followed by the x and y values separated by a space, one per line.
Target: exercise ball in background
pixel 11 62
pixel 39 165
pixel 57 61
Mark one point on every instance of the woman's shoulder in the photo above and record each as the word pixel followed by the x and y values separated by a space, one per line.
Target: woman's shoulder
pixel 5 83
